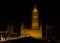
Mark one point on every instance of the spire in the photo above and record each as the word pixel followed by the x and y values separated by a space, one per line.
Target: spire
pixel 35 9
pixel 10 24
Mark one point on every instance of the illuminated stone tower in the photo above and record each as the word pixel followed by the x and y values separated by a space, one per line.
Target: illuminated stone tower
pixel 35 18
pixel 36 29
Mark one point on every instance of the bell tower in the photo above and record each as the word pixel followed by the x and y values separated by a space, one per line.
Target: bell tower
pixel 35 18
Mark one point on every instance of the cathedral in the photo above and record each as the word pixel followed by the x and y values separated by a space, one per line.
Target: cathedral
pixel 36 30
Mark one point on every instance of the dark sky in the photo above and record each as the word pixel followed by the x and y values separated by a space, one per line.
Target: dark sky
pixel 20 11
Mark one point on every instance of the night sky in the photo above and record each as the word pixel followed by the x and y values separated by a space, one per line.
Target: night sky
pixel 20 11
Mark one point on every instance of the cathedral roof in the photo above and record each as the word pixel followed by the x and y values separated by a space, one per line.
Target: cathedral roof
pixel 35 9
